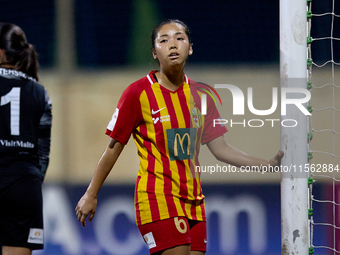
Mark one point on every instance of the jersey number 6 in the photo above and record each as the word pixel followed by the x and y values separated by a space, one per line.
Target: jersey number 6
pixel 181 228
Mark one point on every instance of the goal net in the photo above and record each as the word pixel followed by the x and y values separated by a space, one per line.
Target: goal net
pixel 323 60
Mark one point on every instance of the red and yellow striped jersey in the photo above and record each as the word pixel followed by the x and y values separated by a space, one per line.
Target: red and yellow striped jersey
pixel 168 129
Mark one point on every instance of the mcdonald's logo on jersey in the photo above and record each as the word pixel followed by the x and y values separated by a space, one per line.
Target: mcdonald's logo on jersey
pixel 181 143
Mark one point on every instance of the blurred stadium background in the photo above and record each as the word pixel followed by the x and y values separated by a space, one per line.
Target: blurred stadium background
pixel 90 50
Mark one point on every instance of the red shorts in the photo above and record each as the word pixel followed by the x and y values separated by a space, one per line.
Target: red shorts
pixel 165 234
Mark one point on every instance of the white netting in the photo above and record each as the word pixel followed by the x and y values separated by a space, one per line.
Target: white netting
pixel 324 129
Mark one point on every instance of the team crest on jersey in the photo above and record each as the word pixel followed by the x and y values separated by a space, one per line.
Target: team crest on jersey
pixel 196 117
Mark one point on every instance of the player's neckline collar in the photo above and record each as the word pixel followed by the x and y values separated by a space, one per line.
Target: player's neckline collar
pixel 153 79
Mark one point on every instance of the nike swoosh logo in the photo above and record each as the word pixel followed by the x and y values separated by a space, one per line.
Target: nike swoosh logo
pixel 154 112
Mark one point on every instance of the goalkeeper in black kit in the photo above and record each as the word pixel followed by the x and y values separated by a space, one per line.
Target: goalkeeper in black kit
pixel 25 137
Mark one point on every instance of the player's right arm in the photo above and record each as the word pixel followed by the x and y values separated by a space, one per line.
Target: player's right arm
pixel 88 203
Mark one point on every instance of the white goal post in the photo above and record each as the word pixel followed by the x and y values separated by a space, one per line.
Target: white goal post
pixel 294 184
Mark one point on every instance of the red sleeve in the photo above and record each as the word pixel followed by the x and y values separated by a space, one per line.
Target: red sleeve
pixel 126 117
pixel 212 130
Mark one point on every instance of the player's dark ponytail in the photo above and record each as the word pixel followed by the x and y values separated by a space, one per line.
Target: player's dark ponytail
pixel 20 54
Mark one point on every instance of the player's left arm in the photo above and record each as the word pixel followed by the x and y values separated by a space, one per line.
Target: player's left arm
pixel 228 154
pixel 44 136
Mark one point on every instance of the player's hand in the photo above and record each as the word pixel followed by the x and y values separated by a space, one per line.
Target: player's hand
pixel 276 160
pixel 86 206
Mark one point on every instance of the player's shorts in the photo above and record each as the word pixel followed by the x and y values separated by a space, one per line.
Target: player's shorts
pixel 165 234
pixel 21 216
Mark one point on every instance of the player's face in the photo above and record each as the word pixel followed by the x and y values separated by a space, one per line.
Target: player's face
pixel 171 45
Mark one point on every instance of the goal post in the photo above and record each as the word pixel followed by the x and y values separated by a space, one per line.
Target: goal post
pixel 294 183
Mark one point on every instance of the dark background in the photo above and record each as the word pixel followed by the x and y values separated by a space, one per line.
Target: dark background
pixel 228 31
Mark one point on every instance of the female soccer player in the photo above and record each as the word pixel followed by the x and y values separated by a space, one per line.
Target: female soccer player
pixel 25 134
pixel 162 111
